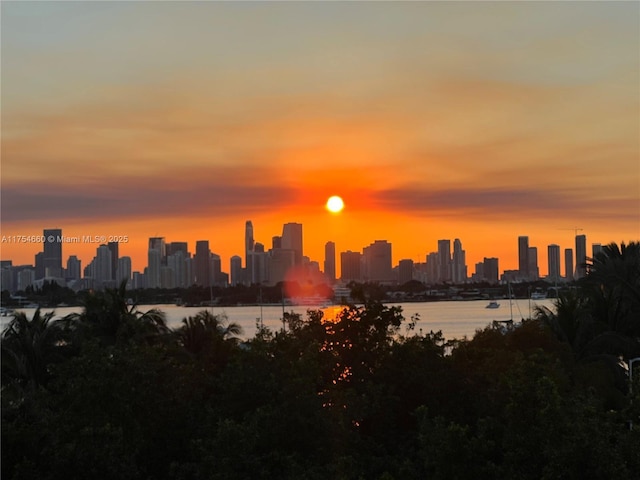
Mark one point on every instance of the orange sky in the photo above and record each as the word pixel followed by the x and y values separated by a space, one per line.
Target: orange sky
pixel 474 121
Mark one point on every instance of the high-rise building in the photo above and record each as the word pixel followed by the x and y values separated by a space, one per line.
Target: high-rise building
pixel 74 268
pixel 568 264
pixel 581 256
pixel 236 270
pixel 248 253
pixel 432 267
pixel 405 271
pixel 350 266
pixel 596 248
pixel 113 248
pixel 202 259
pixel 458 264
pixel 215 269
pixel 553 258
pixel 102 267
pixel 330 261
pixel 444 261
pixel 124 271
pixel 532 264
pixel 490 270
pixel 175 247
pixel 523 257
pixel 377 262
pixel 156 256
pixel 52 250
pixel 292 240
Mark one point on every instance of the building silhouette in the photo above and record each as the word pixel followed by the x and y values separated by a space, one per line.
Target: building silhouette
pixel 292 240
pixel 52 253
pixel 553 260
pixel 581 256
pixel 350 266
pixel 377 262
pixel 568 264
pixel 523 257
pixel 330 261
pixel 444 261
pixel 203 268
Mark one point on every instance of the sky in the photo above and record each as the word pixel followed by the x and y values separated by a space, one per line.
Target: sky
pixel 481 121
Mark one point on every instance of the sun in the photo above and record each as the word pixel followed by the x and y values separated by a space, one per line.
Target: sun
pixel 335 204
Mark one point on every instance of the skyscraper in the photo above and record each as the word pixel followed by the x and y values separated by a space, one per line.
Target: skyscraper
pixel 330 261
pixel 235 265
pixel 553 256
pixel 202 258
pixel 248 253
pixel 124 271
pixel 444 261
pixel 532 263
pixel 350 266
pixel 113 248
pixel 581 256
pixel 156 258
pixel 102 267
pixel 523 257
pixel 292 240
pixel 74 267
pixel 458 264
pixel 405 271
pixel 377 262
pixel 568 264
pixel 490 269
pixel 52 250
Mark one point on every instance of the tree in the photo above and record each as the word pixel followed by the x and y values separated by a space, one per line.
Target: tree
pixel 108 317
pixel 28 347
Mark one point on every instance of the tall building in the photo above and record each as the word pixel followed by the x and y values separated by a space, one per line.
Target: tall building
pixel 330 261
pixel 156 256
pixel 523 257
pixel 292 240
pixel 596 248
pixel 532 264
pixel 568 264
pixel 113 248
pixel 123 271
pixel 581 256
pixel 405 271
pixel 378 262
pixel 444 261
pixel 175 247
pixel 553 257
pixel 458 263
pixel 490 270
pixel 248 253
pixel 235 267
pixel 74 268
pixel 52 250
pixel 202 259
pixel 432 267
pixel 350 266
pixel 102 267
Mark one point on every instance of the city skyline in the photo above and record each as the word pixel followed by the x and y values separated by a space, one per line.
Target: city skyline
pixel 480 121
pixel 172 264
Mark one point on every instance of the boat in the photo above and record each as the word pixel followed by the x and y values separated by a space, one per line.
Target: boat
pixel 538 295
pixel 493 304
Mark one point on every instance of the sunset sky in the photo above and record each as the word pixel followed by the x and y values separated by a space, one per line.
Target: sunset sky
pixel 480 121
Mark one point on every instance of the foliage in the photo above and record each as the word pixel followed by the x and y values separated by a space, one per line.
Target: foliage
pixel 112 393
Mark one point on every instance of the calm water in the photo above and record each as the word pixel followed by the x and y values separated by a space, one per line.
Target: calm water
pixel 456 319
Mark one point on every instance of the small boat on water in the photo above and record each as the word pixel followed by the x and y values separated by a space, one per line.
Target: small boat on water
pixel 493 304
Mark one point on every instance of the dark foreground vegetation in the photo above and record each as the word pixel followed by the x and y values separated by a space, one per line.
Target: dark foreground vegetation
pixel 111 393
